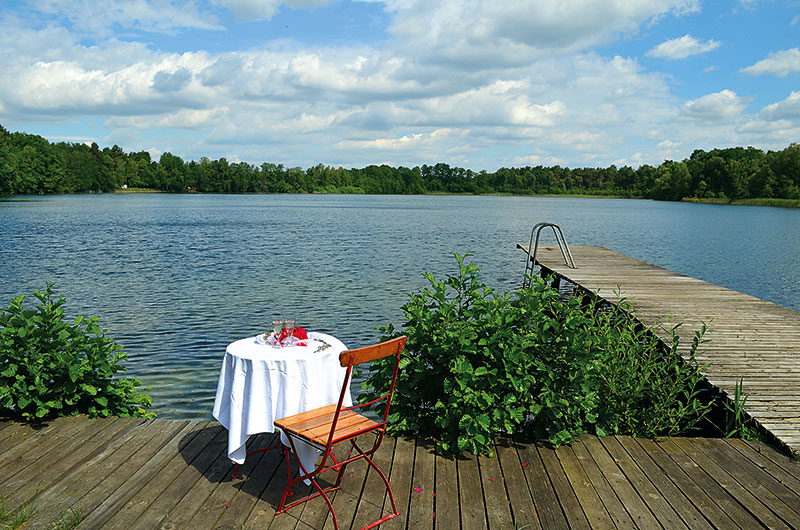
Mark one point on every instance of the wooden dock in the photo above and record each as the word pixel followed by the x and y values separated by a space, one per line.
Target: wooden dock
pixel 751 340
pixel 169 474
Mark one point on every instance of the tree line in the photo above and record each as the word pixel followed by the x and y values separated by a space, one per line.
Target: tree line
pixel 29 164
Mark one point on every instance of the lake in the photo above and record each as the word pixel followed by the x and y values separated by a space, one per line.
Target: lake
pixel 175 278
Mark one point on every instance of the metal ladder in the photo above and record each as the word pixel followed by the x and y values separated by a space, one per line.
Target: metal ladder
pixel 533 247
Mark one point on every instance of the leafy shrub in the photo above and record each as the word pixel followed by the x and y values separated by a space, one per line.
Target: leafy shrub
pixel 480 362
pixel 465 374
pixel 49 367
pixel 600 371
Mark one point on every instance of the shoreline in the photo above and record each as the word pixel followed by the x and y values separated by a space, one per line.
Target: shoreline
pixel 772 202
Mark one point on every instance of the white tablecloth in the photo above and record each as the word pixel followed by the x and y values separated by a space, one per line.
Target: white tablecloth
pixel 259 384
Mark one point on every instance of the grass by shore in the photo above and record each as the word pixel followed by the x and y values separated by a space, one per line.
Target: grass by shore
pixel 137 190
pixel 785 203
pixel 781 203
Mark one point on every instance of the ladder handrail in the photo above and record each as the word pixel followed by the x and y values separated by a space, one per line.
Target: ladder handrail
pixel 533 247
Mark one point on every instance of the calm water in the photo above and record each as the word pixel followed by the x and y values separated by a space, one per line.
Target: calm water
pixel 175 278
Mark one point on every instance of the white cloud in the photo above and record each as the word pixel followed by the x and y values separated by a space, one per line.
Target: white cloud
pixel 722 105
pixel 483 83
pixel 787 109
pixel 69 88
pixel 164 81
pixel 536 160
pixel 482 34
pixel 668 145
pixel 90 16
pixel 265 9
pixel 780 63
pixel 683 47
pixel 181 119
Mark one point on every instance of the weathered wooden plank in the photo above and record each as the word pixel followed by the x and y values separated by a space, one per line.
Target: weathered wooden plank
pixel 221 508
pixel 421 508
pixel 723 481
pixel 53 466
pixel 566 496
pixel 122 485
pixel 33 446
pixel 263 513
pixel 498 512
pixel 683 473
pixel 447 515
pixel 470 494
pixel 792 467
pixel 146 509
pixel 637 509
pixel 168 474
pixel 346 498
pixel 547 504
pixel 779 499
pixel 70 491
pixel 522 506
pixel 400 479
pixel 11 433
pixel 589 500
pixel 198 483
pixel 256 479
pixel 371 502
pixel 666 488
pixel 650 494
pixel 605 492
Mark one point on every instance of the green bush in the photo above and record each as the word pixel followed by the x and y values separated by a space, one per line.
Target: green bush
pixel 600 371
pixel 49 367
pixel 480 362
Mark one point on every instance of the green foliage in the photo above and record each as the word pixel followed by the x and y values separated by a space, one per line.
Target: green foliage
pixel 465 369
pixel 480 362
pixel 68 519
pixel 29 164
pixel 49 367
pixel 737 423
pixel 12 519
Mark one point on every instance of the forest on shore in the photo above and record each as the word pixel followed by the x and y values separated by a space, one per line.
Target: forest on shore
pixel 30 164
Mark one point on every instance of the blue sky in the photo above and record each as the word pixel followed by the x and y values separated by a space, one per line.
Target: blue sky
pixel 478 84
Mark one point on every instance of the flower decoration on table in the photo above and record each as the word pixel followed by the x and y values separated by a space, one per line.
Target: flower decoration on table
pixel 286 335
pixel 322 347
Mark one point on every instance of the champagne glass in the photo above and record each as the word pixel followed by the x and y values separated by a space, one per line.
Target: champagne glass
pixel 277 325
pixel 290 328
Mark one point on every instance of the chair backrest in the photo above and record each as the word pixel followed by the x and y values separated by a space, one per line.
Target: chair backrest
pixel 349 359
pixel 372 353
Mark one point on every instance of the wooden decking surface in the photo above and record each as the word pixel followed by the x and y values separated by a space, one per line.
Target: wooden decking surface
pixel 169 474
pixel 750 339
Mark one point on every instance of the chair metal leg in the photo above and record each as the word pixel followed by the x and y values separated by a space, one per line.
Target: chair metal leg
pixel 304 474
pixel 366 455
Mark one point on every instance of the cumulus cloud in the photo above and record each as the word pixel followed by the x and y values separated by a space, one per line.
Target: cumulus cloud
pixel 668 145
pixel 264 9
pixel 467 83
pixel 780 63
pixel 70 88
pixel 90 16
pixel 788 109
pixel 722 105
pixel 470 34
pixel 164 81
pixel 409 141
pixel 683 47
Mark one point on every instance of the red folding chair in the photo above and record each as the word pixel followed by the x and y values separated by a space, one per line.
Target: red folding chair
pixel 328 426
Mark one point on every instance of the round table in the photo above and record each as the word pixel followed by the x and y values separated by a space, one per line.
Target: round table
pixel 260 383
